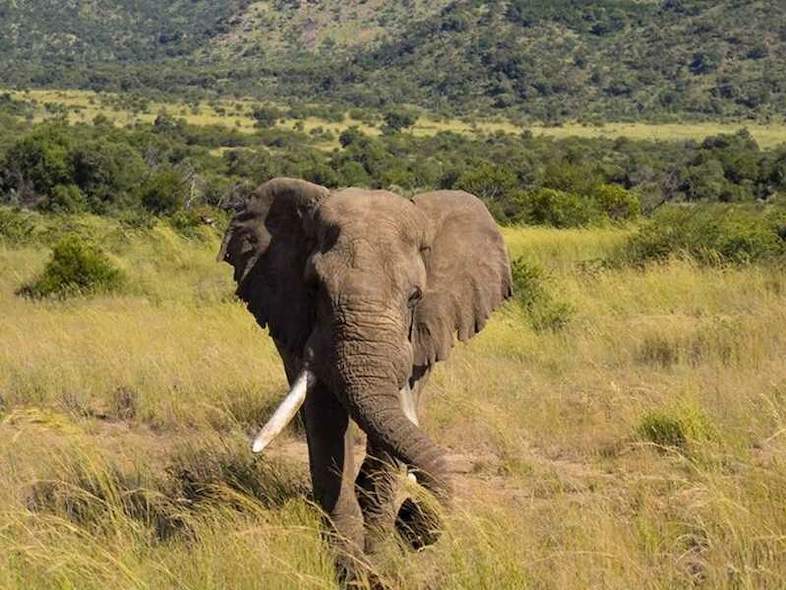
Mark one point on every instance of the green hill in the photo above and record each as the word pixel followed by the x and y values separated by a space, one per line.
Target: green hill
pixel 545 60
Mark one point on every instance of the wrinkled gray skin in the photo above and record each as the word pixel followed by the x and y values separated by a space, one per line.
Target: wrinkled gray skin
pixel 370 289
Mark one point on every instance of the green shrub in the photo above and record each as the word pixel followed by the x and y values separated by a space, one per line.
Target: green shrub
pixel 164 192
pixel 16 227
pixel 192 222
pixel 560 209
pixel 65 198
pixel 77 267
pixel 488 181
pixel 543 311
pixel 136 219
pixel 616 203
pixel 709 234
pixel 397 120
pixel 776 219
pixel 496 185
pixel 266 116
pixel 551 315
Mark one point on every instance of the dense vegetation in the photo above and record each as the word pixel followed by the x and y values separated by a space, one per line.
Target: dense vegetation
pixel 544 60
pixel 186 173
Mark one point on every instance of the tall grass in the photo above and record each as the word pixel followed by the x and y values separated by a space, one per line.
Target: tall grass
pixel 639 446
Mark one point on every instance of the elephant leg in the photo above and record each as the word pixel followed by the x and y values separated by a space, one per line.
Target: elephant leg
pixel 332 476
pixel 377 485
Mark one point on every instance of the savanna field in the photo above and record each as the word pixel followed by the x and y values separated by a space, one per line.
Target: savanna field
pixel 619 424
pixel 615 426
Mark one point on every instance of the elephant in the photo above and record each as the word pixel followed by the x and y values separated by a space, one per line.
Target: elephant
pixel 363 292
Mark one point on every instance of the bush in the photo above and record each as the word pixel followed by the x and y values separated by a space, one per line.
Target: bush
pixel 107 173
pixel 16 227
pixel 616 203
pixel 77 267
pixel 398 120
pixel 163 193
pixel 350 136
pixel 192 222
pixel 136 219
pixel 709 234
pixel 266 116
pixel 543 311
pixel 65 199
pixel 559 209
pixel 495 185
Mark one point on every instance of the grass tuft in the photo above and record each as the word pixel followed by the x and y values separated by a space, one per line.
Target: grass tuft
pixel 677 426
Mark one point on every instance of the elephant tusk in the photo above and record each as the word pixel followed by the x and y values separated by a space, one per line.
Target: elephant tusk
pixel 286 411
pixel 407 400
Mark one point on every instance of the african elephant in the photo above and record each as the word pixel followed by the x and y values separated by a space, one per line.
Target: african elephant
pixel 362 292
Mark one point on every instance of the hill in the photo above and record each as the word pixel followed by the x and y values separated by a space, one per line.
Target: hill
pixel 550 61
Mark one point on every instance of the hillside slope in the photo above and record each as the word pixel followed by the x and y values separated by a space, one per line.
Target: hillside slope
pixel 562 59
pixel 547 60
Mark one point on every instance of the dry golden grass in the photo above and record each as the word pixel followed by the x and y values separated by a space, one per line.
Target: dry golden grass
pixel 559 485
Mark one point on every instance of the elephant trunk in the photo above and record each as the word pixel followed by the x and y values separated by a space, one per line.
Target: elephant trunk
pixel 381 417
pixel 369 382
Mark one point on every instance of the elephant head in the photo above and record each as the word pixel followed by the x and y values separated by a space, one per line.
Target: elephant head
pixel 365 290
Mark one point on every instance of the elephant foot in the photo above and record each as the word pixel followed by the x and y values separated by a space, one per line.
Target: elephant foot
pixel 417 526
pixel 357 573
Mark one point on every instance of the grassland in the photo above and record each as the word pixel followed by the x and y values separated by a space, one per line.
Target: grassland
pixel 83 106
pixel 642 446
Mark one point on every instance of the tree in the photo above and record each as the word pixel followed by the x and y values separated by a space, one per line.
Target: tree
pixel 616 202
pixel 350 136
pixel 559 209
pixel 266 116
pixel 36 164
pixel 398 120
pixel 164 192
pixel 165 123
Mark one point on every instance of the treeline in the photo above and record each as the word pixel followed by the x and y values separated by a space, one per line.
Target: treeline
pixel 171 168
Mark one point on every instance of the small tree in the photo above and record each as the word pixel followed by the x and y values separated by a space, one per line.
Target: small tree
pixel 350 136
pixel 616 202
pixel 398 120
pixel 560 209
pixel 488 181
pixel 36 164
pixel 164 192
pixel 165 123
pixel 265 116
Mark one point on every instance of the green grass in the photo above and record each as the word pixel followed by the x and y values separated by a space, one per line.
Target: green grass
pixel 124 422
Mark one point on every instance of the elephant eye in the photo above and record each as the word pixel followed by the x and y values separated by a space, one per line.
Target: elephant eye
pixel 415 296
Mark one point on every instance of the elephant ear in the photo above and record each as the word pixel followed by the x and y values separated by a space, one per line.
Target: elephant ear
pixel 468 273
pixel 267 244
